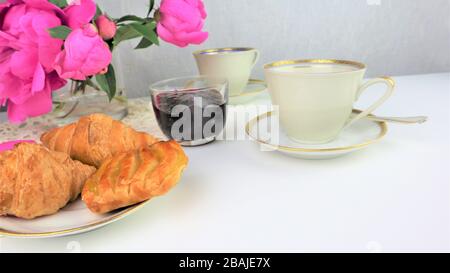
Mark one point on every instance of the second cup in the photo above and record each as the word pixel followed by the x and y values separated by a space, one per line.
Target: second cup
pixel 234 63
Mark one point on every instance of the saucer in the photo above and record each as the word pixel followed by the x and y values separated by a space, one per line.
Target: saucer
pixel 252 90
pixel 358 136
pixel 72 219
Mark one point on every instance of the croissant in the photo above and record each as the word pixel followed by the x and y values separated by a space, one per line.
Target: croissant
pixel 134 176
pixel 94 138
pixel 35 181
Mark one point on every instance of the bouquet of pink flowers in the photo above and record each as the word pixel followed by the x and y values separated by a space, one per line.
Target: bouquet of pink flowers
pixel 43 43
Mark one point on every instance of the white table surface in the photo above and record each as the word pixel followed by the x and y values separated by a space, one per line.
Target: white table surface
pixel 393 196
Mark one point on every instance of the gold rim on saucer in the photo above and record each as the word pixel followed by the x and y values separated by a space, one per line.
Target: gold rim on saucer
pixel 259 90
pixel 223 50
pixel 316 61
pixel 120 214
pixel 251 123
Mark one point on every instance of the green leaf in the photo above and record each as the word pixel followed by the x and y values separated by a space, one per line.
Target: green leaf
pixel 151 4
pixel 103 82
pixel 125 33
pixel 59 3
pixel 60 32
pixel 144 43
pixel 92 84
pixel 147 30
pixel 130 18
pixel 151 24
pixel 107 82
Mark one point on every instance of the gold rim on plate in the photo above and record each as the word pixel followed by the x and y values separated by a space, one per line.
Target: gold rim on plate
pixel 117 216
pixel 252 122
pixel 259 90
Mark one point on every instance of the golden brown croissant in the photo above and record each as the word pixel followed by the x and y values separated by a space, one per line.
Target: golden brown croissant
pixel 35 181
pixel 134 176
pixel 94 138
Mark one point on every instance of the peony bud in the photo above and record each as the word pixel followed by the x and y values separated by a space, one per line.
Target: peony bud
pixel 106 27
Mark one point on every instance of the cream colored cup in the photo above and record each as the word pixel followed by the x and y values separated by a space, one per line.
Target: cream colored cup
pixel 234 63
pixel 316 97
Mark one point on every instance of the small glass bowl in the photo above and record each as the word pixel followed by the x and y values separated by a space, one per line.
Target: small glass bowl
pixel 191 110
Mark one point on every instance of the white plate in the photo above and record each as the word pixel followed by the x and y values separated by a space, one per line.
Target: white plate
pixel 360 135
pixel 73 219
pixel 253 89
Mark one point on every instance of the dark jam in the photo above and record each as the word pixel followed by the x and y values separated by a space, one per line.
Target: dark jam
pixel 190 115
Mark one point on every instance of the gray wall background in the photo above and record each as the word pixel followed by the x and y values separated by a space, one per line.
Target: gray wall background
pixel 393 37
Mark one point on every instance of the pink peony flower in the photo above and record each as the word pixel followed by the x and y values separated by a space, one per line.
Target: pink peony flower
pixel 181 22
pixel 79 13
pixel 106 28
pixel 27 54
pixel 85 54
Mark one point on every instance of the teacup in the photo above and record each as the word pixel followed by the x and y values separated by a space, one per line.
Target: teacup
pixel 235 64
pixel 316 97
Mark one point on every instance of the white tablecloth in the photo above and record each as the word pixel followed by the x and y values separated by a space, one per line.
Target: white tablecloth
pixel 393 196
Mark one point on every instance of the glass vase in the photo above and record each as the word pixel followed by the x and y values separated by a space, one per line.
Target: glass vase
pixel 71 104
pixel 79 99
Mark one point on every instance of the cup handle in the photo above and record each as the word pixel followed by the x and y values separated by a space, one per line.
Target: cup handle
pixel 390 84
pixel 256 57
